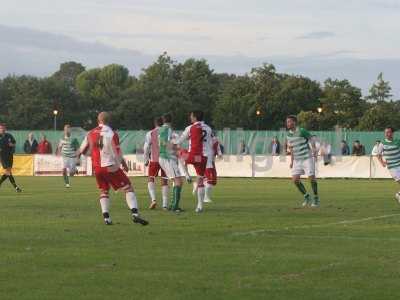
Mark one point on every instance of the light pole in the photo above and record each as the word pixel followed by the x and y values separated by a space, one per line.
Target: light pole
pixel 319 109
pixel 55 113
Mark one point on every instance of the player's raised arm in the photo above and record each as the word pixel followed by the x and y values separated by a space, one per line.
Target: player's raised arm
pixel 83 149
pixel 184 136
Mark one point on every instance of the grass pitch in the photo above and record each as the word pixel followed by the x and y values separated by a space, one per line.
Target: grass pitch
pixel 253 242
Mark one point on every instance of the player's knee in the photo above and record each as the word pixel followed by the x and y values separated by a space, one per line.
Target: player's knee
pixel 127 189
pixel 103 194
pixel 151 179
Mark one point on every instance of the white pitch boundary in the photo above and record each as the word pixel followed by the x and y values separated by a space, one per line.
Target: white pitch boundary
pixel 345 222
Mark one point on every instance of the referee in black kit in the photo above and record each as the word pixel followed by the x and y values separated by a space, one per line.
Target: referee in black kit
pixel 7 149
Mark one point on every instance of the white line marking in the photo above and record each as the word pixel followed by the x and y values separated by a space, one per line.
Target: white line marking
pixel 345 222
pixel 341 237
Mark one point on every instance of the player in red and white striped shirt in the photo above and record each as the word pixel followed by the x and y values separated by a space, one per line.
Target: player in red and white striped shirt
pixel 151 156
pixel 102 144
pixel 199 136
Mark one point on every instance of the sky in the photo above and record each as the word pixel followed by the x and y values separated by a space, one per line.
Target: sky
pixel 354 39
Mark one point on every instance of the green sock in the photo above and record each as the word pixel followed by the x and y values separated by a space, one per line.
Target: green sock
pixel 66 179
pixel 172 203
pixel 177 196
pixel 300 187
pixel 314 186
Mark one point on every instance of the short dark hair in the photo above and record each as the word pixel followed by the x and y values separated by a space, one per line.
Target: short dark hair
pixel 158 121
pixel 198 114
pixel 167 118
pixel 292 117
pixel 391 128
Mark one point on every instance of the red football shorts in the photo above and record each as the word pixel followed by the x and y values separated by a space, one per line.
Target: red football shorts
pixel 154 169
pixel 105 179
pixel 199 163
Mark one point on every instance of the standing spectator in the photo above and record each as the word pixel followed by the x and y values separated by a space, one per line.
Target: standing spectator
pixel 344 148
pixel 326 152
pixel 375 149
pixel 358 149
pixel 30 145
pixel 243 148
pixel 44 146
pixel 275 146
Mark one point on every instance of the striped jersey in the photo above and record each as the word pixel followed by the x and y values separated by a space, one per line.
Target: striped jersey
pixel 298 142
pixel 151 145
pixel 390 150
pixel 68 146
pixel 165 139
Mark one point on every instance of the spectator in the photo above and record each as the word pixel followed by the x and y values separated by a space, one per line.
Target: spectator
pixel 275 146
pixel 358 149
pixel 326 153
pixel 44 146
pixel 243 148
pixel 30 145
pixel 375 149
pixel 344 148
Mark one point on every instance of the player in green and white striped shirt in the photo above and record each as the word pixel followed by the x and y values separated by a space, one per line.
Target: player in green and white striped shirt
pixel 303 159
pixel 389 155
pixel 168 160
pixel 68 147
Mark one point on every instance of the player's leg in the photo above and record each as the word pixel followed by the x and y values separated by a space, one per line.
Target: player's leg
pixel 164 190
pixel 8 164
pixel 119 181
pixel 309 168
pixel 151 187
pixel 131 201
pixel 104 199
pixel 211 181
pixel 105 206
pixel 184 169
pixel 200 171
pixel 300 186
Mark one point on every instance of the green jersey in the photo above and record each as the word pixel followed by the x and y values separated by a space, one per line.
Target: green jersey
pixel 164 140
pixel 298 141
pixel 390 150
pixel 68 147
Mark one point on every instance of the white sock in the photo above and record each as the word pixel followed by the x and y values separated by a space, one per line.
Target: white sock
pixel 165 195
pixel 208 189
pixel 131 200
pixel 105 205
pixel 152 190
pixel 200 197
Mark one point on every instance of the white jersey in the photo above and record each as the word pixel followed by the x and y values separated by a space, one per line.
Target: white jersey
pixel 104 147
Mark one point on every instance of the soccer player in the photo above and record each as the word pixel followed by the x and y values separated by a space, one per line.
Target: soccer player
pixel 302 159
pixel 389 154
pixel 151 156
pixel 199 136
pixel 7 149
pixel 211 171
pixel 169 161
pixel 102 144
pixel 68 148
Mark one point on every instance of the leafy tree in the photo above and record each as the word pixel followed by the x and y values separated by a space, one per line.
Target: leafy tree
pixel 342 104
pixel 236 104
pixel 381 115
pixel 380 90
pixel 68 72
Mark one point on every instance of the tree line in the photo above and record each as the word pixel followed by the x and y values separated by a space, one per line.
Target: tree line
pixel 260 99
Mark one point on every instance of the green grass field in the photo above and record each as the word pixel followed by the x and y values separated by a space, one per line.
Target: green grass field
pixel 253 242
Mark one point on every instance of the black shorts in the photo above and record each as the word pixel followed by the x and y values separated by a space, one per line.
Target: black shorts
pixel 7 161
